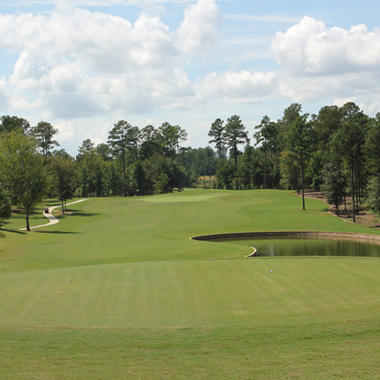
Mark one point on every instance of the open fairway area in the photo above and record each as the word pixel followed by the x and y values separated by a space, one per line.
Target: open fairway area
pixel 146 302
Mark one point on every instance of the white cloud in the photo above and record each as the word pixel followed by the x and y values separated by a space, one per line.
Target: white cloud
pixel 243 86
pixel 3 95
pixel 66 131
pixel 80 63
pixel 310 48
pixel 90 3
pixel 197 32
pixel 77 67
pixel 319 63
pixel 74 63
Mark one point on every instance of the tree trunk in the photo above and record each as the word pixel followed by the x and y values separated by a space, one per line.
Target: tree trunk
pixel 265 164
pixel 63 209
pixel 357 189
pixel 353 191
pixel 298 182
pixel 303 190
pixel 27 221
pixel 357 203
pixel 124 175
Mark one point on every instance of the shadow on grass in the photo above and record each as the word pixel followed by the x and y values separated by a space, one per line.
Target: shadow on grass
pixel 15 231
pixel 80 213
pixel 57 232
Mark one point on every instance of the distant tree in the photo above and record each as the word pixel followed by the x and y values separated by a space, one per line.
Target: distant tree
pixel 217 136
pixel 349 141
pixel 23 168
pixel 267 132
pixel 225 174
pixel 326 123
pixel 115 185
pixel 140 179
pixel 87 147
pixel 149 148
pixel 373 194
pixel 235 134
pixel 290 115
pixel 14 123
pixel 250 171
pixel 334 183
pixel 44 132
pixel 289 176
pixel 119 142
pixel 5 205
pixel 147 133
pixel 104 151
pixel 301 139
pixel 171 137
pixel 372 145
pixel 63 173
pixel 62 153
pixel 133 141
pixel 315 167
pixel 91 171
pixel 162 183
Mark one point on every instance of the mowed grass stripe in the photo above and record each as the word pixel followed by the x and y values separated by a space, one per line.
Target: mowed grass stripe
pixel 193 293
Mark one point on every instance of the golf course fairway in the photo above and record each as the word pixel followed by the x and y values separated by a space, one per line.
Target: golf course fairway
pixel 146 302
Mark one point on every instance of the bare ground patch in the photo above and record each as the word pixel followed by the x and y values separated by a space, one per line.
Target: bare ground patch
pixel 364 217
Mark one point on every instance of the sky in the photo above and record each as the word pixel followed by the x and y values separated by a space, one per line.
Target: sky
pixel 83 65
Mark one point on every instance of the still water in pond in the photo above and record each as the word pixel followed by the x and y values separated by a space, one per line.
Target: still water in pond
pixel 308 247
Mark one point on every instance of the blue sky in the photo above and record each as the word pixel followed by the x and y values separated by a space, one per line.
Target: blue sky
pixel 85 64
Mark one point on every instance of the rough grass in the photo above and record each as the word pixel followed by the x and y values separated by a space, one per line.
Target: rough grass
pixel 146 302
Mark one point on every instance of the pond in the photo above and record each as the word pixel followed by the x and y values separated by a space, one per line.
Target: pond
pixel 283 246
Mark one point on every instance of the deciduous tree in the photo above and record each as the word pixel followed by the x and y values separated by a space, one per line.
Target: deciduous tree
pixel 23 168
pixel 62 173
pixel 5 205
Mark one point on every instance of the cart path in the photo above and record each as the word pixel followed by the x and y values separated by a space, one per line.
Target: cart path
pixel 51 217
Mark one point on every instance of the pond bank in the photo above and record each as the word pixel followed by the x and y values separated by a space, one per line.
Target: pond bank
pixel 375 239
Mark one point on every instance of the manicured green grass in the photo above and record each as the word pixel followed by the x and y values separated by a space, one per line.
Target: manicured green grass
pixel 147 302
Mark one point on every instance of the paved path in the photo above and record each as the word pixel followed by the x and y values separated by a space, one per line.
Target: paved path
pixel 51 217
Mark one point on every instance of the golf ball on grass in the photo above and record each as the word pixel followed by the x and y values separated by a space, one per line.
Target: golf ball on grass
pixel 69 280
pixel 271 271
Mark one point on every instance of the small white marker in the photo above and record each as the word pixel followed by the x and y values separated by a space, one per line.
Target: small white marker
pixel 271 271
pixel 69 279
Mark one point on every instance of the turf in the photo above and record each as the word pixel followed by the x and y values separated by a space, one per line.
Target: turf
pixel 146 302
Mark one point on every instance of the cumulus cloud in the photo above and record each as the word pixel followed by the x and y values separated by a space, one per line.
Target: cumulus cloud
pixel 310 48
pixel 80 62
pixel 3 95
pixel 318 63
pixel 73 63
pixel 197 32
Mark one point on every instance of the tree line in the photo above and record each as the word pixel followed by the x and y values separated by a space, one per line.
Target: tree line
pixel 336 151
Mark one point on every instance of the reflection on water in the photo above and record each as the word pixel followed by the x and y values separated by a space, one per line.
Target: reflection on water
pixel 283 246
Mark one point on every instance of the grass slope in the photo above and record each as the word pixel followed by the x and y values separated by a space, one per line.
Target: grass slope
pixel 146 302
